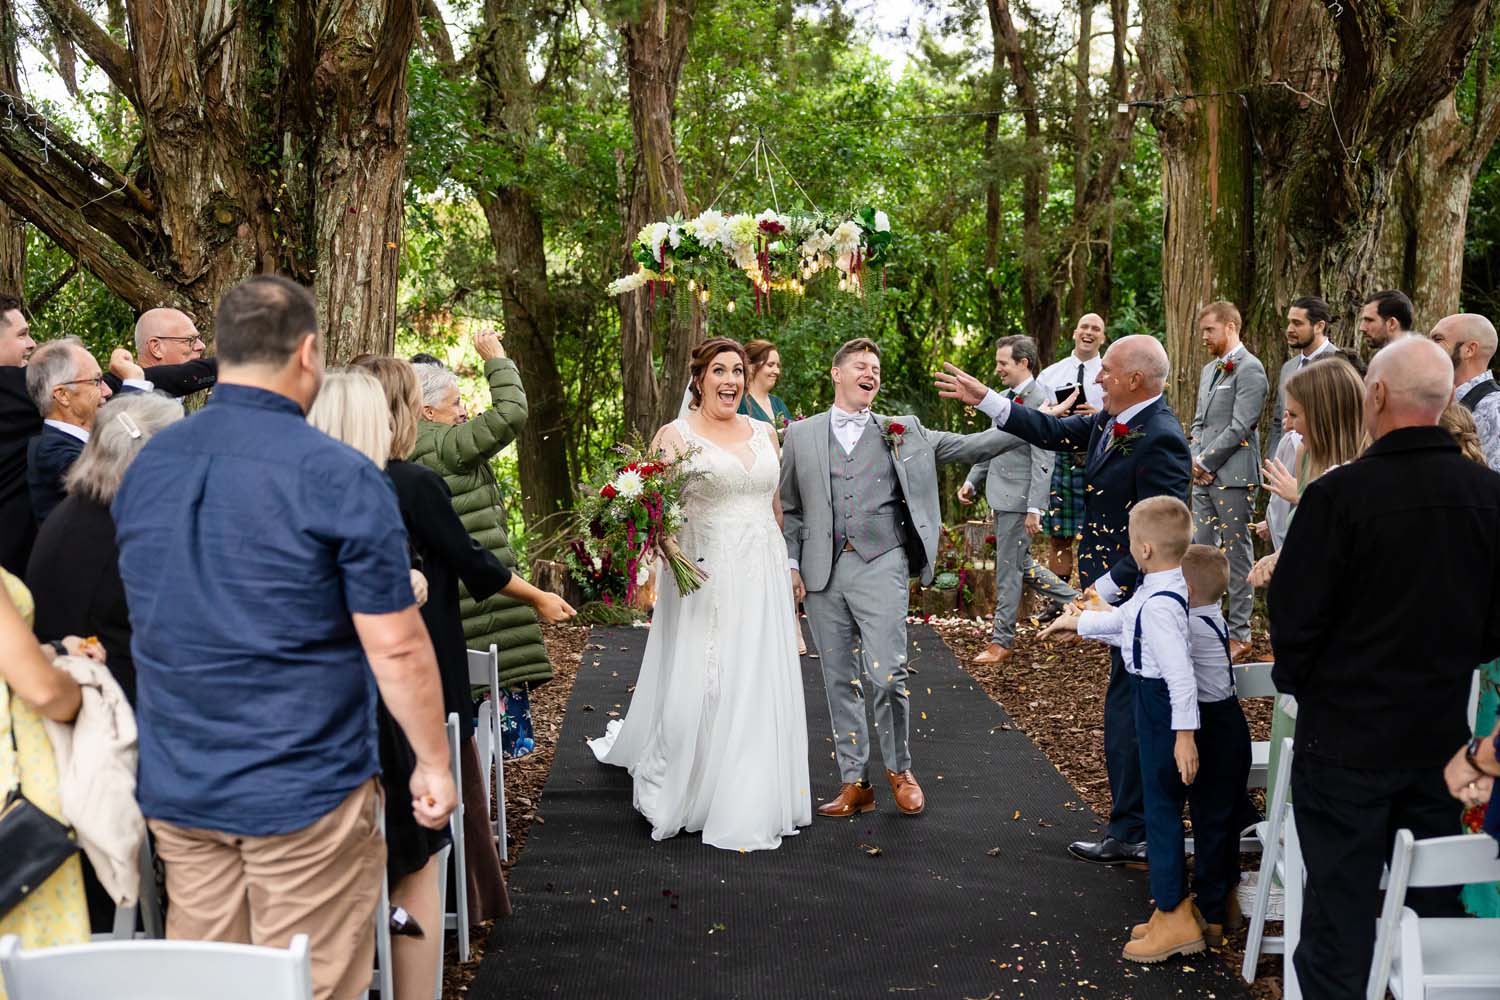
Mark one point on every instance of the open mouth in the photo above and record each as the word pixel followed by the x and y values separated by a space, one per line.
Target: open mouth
pixel 867 384
pixel 729 394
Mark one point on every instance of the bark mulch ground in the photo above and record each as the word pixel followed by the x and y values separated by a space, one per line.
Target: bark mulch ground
pixel 1054 692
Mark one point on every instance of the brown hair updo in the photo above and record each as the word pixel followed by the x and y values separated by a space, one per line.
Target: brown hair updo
pixel 705 353
pixel 757 353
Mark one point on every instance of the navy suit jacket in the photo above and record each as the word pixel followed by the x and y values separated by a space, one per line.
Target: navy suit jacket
pixel 1158 463
pixel 48 458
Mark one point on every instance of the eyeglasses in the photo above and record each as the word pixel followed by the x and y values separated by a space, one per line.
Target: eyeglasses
pixel 181 340
pixel 96 381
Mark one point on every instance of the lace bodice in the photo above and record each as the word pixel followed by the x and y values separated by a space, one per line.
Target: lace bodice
pixel 736 491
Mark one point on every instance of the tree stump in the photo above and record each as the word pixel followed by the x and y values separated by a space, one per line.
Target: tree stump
pixel 555 578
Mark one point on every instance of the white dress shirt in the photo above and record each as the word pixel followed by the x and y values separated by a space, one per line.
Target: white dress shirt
pixel 1164 640
pixel 1279 511
pixel 1065 373
pixel 1207 634
pixel 1301 359
pixel 847 427
pixel 71 429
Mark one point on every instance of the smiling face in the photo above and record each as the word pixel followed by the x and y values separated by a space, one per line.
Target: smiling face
pixel 79 399
pixel 1012 372
pixel 1088 335
pixel 16 344
pixel 1121 385
pixel 769 372
pixel 722 386
pixel 856 381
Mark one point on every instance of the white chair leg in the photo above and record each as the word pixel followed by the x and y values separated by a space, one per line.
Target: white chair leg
pixel 442 856
pixel 1292 926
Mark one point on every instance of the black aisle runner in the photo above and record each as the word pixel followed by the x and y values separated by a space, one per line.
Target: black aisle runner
pixel 968 900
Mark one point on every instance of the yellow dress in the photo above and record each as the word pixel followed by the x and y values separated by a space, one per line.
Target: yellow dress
pixel 56 913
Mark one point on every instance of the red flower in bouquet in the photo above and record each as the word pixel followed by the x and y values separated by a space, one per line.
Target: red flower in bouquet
pixel 608 492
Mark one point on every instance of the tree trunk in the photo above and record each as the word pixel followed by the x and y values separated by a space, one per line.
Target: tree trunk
pixel 274 139
pixel 1082 107
pixel 654 371
pixel 12 229
pixel 1207 174
pixel 994 294
pixel 508 115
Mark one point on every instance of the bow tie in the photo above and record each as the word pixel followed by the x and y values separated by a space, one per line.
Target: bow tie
pixel 842 419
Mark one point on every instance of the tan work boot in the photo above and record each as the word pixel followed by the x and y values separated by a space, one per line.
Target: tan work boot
pixel 1140 930
pixel 1170 932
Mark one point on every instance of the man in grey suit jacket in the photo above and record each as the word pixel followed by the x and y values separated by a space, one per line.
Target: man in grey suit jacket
pixel 1307 320
pixel 859 498
pixel 1226 456
pixel 1017 485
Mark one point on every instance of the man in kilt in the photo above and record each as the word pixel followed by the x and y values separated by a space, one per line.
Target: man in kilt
pixel 1063 522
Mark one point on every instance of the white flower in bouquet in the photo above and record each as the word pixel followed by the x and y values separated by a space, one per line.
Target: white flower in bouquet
pixel 629 484
pixel 882 222
pixel 847 236
pixel 845 261
pixel 674 515
pixel 642 574
pixel 652 236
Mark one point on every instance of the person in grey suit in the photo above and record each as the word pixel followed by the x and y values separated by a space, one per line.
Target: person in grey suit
pixel 1226 457
pixel 1307 320
pixel 1017 485
pixel 859 499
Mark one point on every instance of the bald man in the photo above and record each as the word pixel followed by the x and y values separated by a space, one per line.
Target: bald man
pixel 1064 518
pixel 1469 341
pixel 1133 449
pixel 1382 687
pixel 168 355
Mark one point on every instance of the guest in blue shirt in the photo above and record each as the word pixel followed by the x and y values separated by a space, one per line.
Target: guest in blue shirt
pixel 265 567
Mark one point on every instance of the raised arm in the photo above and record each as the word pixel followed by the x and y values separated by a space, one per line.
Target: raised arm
pixel 463 446
pixel 1250 389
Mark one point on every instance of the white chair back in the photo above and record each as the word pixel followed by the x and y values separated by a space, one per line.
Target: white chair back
pixel 484 671
pixel 157 970
pixel 458 920
pixel 1463 859
pixel 1253 680
pixel 1473 715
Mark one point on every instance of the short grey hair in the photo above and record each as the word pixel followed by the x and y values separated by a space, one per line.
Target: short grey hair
pixel 435 381
pixel 52 364
pixel 121 429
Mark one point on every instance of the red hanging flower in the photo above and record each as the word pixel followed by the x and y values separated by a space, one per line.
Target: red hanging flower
pixel 608 492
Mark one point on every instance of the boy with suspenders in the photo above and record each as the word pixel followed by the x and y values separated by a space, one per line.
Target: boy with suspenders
pixel 1151 629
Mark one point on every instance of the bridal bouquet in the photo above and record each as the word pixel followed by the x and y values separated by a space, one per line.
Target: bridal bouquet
pixel 634 511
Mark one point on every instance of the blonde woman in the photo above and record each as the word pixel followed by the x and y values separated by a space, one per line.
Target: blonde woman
pixel 1326 401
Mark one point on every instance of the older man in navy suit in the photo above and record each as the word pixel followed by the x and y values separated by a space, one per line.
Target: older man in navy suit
pixel 1136 449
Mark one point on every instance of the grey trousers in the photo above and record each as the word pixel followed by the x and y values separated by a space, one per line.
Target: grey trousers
pixel 1015 569
pixel 859 626
pixel 1221 518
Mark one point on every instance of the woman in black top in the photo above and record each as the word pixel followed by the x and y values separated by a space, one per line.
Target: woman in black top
pixel 449 554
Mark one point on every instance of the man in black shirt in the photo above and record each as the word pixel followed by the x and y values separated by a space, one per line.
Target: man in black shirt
pixel 1382 689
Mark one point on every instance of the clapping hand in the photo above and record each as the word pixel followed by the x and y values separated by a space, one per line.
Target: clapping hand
pixel 122 365
pixel 1065 407
pixel 954 383
pixel 1280 481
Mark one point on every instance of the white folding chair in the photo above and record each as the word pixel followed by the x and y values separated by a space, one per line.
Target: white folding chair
pixel 148 905
pixel 1421 957
pixel 157 970
pixel 442 863
pixel 484 671
pixel 1253 680
pixel 1269 832
pixel 459 920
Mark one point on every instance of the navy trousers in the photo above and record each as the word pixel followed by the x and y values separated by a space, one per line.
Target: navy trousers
pixel 1122 755
pixel 1215 800
pixel 1163 792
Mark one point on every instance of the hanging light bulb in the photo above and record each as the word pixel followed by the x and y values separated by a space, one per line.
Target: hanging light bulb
pixel 843 284
pixel 692 284
pixel 703 295
pixel 729 306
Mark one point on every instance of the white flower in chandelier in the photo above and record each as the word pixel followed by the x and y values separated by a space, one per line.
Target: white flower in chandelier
pixel 817 242
pixel 882 222
pixel 708 227
pixel 674 235
pixel 744 257
pixel 847 236
pixel 631 282
pixel 770 216
pixel 653 236
pixel 629 484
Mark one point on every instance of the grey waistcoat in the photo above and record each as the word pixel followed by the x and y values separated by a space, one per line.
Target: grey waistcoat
pixel 867 507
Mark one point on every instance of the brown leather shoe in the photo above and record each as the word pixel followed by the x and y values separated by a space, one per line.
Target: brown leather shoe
pixel 1238 650
pixel 993 653
pixel 851 799
pixel 908 793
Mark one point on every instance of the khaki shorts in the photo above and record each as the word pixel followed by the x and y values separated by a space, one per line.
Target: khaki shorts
pixel 322 881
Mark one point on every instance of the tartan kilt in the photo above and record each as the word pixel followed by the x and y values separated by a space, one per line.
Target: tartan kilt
pixel 1064 518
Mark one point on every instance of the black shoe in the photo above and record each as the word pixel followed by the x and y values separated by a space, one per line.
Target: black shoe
pixel 1108 851
pixel 1049 614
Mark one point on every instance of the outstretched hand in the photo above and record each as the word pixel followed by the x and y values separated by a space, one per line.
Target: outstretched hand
pixel 955 383
pixel 1065 407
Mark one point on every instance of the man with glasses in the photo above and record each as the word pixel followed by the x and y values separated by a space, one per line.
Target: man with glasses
pixel 168 354
pixel 65 383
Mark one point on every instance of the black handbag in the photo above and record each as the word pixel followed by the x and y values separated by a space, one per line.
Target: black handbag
pixel 33 844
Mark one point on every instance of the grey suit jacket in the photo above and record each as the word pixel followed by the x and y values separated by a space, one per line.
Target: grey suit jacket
pixel 807 496
pixel 1224 438
pixel 1020 478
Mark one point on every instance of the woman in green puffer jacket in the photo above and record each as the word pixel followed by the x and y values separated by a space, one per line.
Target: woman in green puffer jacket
pixel 460 451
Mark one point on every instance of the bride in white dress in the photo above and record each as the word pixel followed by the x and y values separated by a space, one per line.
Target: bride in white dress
pixel 716 736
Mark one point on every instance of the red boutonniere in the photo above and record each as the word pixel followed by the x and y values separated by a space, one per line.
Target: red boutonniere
pixel 894 434
pixel 1226 367
pixel 1122 438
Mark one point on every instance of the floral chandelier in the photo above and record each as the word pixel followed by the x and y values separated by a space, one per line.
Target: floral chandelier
pixel 774 251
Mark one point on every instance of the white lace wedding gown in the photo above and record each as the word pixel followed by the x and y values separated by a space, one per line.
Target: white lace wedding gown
pixel 716 734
